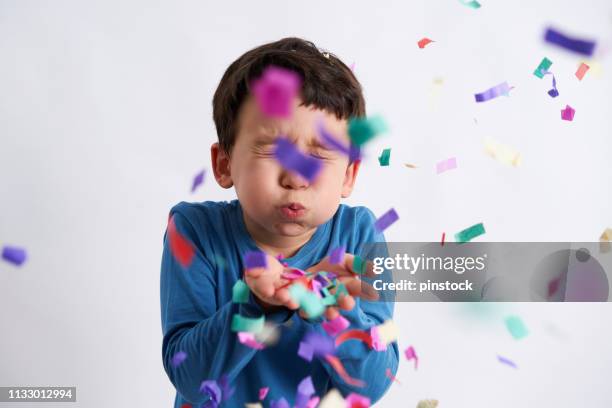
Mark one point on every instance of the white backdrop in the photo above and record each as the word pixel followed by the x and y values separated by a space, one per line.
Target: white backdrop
pixel 105 117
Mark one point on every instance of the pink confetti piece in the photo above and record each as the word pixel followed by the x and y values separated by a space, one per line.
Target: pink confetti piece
pixel 582 69
pixel 354 400
pixel 198 180
pixel 443 237
pixel 336 326
pixel 423 42
pixel 314 401
pixel 385 220
pixel 248 339
pixel 410 354
pixel 181 248
pixel 504 360
pixel 377 343
pixel 568 113
pixel 353 67
pixel 275 91
pixel 445 165
pixel 263 392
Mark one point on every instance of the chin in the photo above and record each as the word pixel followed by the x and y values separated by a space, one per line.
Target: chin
pixel 291 229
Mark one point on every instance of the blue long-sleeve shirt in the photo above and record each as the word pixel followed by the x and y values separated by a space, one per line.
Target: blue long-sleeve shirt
pixel 197 309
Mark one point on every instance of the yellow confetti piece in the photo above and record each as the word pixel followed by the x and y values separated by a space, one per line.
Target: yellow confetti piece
pixel 412 166
pixel 427 404
pixel 253 405
pixel 388 332
pixel 604 241
pixel 502 153
pixel 595 68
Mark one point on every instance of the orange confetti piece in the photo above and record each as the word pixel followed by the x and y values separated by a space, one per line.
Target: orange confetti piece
pixel 337 365
pixel 582 69
pixel 354 335
pixel 423 42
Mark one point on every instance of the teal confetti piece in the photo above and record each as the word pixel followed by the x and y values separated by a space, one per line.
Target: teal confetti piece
pixel 542 68
pixel 516 327
pixel 359 265
pixel 312 305
pixel 470 233
pixel 341 291
pixel 384 157
pixel 240 292
pixel 362 130
pixel 470 3
pixel 247 324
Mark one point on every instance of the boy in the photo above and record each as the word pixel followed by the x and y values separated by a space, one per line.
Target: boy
pixel 283 214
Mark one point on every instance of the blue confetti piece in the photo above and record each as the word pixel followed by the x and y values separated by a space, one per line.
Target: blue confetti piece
pixel 14 255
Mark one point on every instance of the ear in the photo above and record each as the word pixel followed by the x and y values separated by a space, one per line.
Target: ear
pixel 221 166
pixel 349 178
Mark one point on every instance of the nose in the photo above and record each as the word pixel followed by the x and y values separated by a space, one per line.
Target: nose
pixel 293 181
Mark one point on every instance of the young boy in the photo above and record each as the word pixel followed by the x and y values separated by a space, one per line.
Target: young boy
pixel 283 214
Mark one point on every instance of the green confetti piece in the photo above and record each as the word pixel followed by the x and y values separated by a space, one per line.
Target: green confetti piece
pixel 312 305
pixel 470 233
pixel 326 292
pixel 341 291
pixel 297 292
pixel 470 3
pixel 240 292
pixel 329 300
pixel 361 130
pixel 359 265
pixel 247 324
pixel 384 157
pixel 542 68
pixel 516 327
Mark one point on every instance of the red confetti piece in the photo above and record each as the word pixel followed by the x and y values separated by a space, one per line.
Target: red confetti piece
pixel 337 365
pixel 355 335
pixel 582 69
pixel 423 42
pixel 181 248
pixel 443 236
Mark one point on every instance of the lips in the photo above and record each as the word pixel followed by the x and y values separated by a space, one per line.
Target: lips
pixel 293 210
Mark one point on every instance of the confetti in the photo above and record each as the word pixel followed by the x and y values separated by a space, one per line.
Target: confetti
pixel 210 388
pixel 337 255
pixel 582 69
pixel 568 113
pixel 554 92
pixel 308 301
pixel 470 233
pixel 331 141
pixel 553 286
pixel 281 403
pixel 584 47
pixel 604 241
pixel 293 160
pixel 14 255
pixel 336 326
pixel 178 358
pixel 263 392
pixel 354 400
pixel 384 157
pixel 313 403
pixel 181 248
pixel 443 236
pixel 470 3
pixel 412 166
pixel 502 153
pixel 359 265
pixel 516 327
pixel 506 361
pixel 362 130
pixel 337 365
pixel 198 180
pixel 240 292
pixel 247 324
pixel 445 165
pixel 306 351
pixel 305 390
pixel 542 68
pixel 321 344
pixel 410 354
pixel 255 259
pixel 494 92
pixel 386 220
pixel 248 339
pixel 253 405
pixel 423 42
pixel 275 91
pixel 391 376
pixel 226 390
pixel 428 404
pixel 386 333
pixel 360 335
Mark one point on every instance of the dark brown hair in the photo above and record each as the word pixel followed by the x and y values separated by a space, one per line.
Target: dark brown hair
pixel 327 83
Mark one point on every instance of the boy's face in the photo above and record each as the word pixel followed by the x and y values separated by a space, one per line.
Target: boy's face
pixel 276 202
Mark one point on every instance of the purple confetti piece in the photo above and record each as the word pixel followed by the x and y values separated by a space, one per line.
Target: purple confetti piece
pixel 281 403
pixel 497 90
pixel 14 255
pixel 178 358
pixel 210 388
pixel 506 361
pixel 305 351
pixel 198 180
pixel 337 255
pixel 304 390
pixel 320 343
pixel 385 220
pixel 275 91
pixel 255 259
pixel 554 92
pixel 445 165
pixel 292 159
pixel 584 47
pixel 226 389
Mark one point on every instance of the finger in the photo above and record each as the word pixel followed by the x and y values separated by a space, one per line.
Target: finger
pixel 284 297
pixel 346 302
pixel 331 313
pixel 367 267
pixel 360 288
pixel 263 287
pixel 254 272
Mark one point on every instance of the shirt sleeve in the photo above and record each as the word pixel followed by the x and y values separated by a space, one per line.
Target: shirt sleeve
pixel 193 322
pixel 359 360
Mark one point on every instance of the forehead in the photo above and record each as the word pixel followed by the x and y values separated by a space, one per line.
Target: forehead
pixel 300 127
